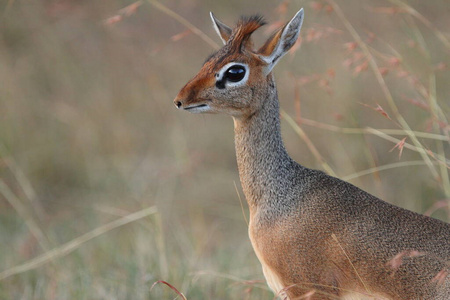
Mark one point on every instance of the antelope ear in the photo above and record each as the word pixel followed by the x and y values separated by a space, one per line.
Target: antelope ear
pixel 222 30
pixel 280 43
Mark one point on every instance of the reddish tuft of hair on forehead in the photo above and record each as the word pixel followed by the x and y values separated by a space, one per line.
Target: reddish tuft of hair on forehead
pixel 240 36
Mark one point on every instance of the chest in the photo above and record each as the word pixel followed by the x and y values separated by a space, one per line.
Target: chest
pixel 266 247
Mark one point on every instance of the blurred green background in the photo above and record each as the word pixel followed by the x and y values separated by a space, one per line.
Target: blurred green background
pixel 89 134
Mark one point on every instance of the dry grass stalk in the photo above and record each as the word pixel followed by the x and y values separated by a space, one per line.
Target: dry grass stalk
pixel 184 22
pixel 397 260
pixel 441 204
pixel 124 12
pixel 349 260
pixel 244 214
pixel 76 243
pixel 399 146
pixel 384 168
pixel 170 286
pixel 308 142
pixel 441 277
pixel 27 215
pixel 410 10
pixel 384 88
pixel 382 133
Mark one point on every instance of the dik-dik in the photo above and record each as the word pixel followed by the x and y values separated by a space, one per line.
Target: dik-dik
pixel 316 236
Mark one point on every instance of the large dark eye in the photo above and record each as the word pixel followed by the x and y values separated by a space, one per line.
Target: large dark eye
pixel 235 73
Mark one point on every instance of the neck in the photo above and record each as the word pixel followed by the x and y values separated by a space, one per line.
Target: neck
pixel 265 168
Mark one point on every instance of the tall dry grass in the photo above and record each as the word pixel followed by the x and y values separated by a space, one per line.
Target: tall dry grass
pixel 106 189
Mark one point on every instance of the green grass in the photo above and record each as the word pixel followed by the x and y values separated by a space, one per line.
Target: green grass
pixel 89 136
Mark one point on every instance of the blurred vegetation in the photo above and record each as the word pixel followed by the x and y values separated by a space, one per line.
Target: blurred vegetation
pixel 89 135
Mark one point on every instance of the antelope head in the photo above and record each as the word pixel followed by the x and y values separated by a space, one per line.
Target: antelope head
pixel 236 79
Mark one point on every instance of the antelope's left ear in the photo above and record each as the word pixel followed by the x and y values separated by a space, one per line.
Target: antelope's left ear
pixel 280 43
pixel 222 30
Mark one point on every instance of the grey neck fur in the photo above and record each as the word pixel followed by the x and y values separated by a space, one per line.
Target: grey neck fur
pixel 268 175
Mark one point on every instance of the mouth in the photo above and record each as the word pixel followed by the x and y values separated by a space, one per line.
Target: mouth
pixel 198 108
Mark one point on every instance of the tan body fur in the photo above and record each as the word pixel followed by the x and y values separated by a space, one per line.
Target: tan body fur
pixel 315 235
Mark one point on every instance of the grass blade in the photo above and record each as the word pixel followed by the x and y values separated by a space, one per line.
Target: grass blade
pixel 76 243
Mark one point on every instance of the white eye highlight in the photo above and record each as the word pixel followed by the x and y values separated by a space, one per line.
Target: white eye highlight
pixel 232 74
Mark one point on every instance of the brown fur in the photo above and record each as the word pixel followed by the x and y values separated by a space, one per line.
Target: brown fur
pixel 311 231
pixel 240 37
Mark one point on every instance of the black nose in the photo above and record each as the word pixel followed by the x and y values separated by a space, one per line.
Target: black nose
pixel 177 104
